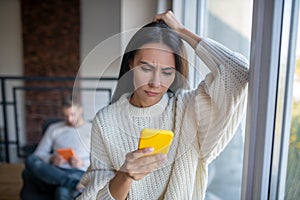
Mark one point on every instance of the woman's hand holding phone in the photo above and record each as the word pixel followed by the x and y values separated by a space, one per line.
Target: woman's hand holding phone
pixel 159 139
pixel 151 154
pixel 139 163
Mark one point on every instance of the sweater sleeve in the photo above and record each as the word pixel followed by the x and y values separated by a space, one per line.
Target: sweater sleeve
pixel 220 99
pixel 96 178
pixel 44 147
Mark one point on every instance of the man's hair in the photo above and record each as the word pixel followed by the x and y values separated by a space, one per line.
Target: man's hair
pixel 70 101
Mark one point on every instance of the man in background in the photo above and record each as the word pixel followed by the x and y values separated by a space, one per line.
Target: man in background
pixel 48 172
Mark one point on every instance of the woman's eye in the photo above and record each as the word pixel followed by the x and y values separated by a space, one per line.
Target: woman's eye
pixel 167 73
pixel 146 69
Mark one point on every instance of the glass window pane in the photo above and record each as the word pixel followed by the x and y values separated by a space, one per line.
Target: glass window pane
pixel 228 22
pixel 292 188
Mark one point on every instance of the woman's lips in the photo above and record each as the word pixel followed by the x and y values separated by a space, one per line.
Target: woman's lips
pixel 151 94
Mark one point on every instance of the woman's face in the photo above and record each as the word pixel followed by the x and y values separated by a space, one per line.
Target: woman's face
pixel 154 72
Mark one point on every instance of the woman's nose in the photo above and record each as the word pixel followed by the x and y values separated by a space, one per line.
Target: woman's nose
pixel 154 84
pixel 155 80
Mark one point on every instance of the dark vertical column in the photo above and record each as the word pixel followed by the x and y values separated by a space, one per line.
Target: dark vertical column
pixel 51 31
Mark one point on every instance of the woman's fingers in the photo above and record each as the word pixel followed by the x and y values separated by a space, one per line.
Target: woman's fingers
pixel 139 163
pixel 170 19
pixel 139 153
pixel 149 163
pixel 145 165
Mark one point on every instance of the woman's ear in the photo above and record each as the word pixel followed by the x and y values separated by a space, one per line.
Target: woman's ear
pixel 130 63
pixel 130 66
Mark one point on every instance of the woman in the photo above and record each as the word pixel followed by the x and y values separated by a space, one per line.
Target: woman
pixel 203 120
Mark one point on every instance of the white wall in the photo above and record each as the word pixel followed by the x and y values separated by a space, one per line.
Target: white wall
pixel 11 58
pixel 136 13
pixel 100 19
pixel 11 63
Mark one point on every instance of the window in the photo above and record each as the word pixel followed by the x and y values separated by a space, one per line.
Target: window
pixel 270 91
pixel 271 159
pixel 290 161
pixel 228 22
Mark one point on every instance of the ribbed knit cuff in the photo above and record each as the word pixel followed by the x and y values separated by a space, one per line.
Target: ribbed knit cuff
pixel 104 193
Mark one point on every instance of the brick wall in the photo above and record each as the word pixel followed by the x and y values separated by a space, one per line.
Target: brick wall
pixel 51 31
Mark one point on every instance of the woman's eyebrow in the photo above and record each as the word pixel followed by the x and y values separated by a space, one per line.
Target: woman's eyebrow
pixel 168 68
pixel 150 65
pixel 146 63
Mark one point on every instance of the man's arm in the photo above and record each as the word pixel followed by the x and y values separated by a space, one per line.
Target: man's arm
pixel 44 147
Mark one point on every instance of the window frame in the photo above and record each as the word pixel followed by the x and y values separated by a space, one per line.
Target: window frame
pixel 266 149
pixel 265 157
pixel 267 18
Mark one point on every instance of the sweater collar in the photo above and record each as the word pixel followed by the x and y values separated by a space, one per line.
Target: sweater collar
pixel 153 110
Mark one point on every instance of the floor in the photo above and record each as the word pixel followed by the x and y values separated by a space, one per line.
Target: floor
pixel 10 181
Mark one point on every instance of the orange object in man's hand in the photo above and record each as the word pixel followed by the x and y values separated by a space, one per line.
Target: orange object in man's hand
pixel 66 153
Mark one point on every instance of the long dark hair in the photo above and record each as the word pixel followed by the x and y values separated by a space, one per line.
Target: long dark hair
pixel 154 32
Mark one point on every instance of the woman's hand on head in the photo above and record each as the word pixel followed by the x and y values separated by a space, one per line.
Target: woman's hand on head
pixel 170 19
pixel 138 163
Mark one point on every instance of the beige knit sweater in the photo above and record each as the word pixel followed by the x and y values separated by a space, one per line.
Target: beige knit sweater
pixel 203 120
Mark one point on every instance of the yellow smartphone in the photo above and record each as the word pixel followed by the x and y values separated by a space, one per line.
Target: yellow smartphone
pixel 66 153
pixel 160 140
